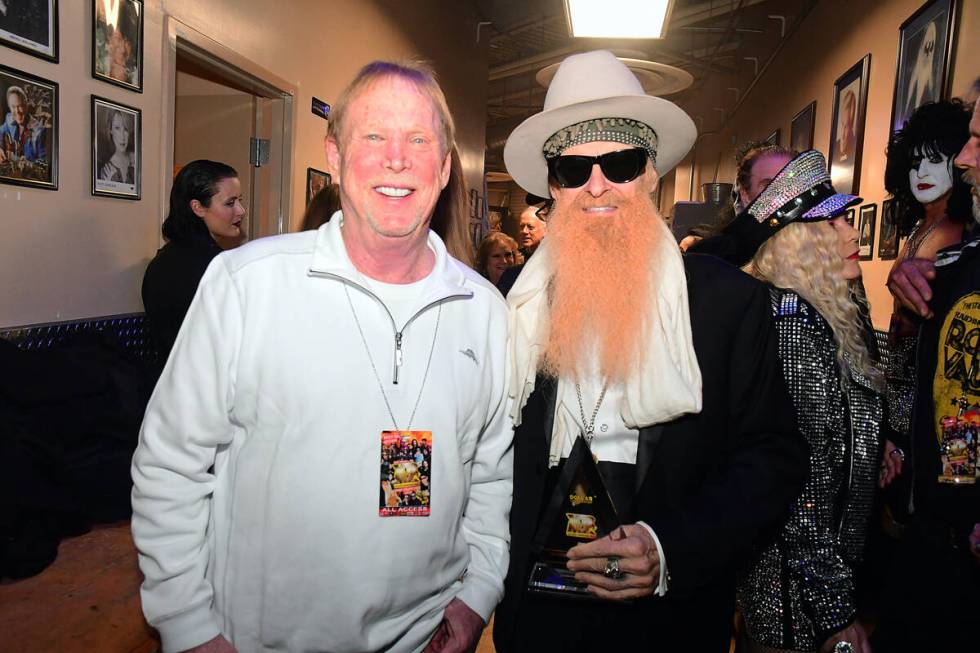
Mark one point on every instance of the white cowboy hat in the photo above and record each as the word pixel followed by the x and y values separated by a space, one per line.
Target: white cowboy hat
pixel 594 85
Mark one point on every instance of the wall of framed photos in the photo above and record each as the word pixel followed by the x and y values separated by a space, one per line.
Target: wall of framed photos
pixel 80 249
pixel 814 66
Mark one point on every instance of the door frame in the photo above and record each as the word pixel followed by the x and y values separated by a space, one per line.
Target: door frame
pixel 247 74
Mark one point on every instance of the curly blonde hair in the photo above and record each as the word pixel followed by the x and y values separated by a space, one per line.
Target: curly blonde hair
pixel 805 258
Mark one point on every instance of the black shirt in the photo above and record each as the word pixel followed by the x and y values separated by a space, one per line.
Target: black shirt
pixel 169 285
pixel 946 417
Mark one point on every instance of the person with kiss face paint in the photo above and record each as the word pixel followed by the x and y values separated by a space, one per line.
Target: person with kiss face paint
pixel 935 575
pixel 933 211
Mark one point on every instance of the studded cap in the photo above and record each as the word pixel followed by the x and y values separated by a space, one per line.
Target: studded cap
pixel 800 191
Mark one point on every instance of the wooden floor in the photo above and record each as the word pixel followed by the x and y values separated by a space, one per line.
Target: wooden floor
pixel 87 601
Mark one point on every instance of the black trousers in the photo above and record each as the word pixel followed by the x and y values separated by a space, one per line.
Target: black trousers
pixel 656 624
pixel 932 598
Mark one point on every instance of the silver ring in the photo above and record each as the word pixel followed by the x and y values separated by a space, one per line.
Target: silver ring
pixel 612 569
pixel 843 647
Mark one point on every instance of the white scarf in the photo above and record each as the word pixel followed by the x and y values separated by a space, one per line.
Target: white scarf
pixel 667 381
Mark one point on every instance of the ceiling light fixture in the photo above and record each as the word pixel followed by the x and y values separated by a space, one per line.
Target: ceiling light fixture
pixel 618 19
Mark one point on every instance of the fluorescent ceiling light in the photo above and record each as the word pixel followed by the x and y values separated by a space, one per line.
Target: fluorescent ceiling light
pixel 618 19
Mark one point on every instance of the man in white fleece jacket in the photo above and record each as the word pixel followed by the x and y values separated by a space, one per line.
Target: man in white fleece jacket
pixel 325 464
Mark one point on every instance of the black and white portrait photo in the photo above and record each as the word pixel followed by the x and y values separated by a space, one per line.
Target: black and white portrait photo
pixel 923 58
pixel 116 149
pixel 30 26
pixel 29 131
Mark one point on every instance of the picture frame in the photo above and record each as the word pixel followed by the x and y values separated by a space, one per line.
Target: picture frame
pixel 31 27
pixel 117 43
pixel 316 180
pixel 925 44
pixel 29 130
pixel 847 127
pixel 867 216
pixel 849 216
pixel 888 238
pixel 117 149
pixel 801 129
pixel 775 137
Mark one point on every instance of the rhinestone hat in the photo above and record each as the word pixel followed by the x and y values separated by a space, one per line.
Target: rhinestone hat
pixel 800 191
pixel 613 130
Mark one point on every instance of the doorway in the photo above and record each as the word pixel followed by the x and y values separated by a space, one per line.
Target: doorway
pixel 228 109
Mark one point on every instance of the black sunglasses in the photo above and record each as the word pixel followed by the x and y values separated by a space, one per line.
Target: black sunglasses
pixel 618 167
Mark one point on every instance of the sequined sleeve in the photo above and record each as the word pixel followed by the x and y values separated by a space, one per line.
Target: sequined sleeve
pixel 809 540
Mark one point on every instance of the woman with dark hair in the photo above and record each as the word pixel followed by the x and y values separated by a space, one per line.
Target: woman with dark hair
pixel 205 208
pixel 933 209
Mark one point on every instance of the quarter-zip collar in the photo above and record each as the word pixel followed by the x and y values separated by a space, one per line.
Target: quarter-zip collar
pixel 330 258
pixel 446 281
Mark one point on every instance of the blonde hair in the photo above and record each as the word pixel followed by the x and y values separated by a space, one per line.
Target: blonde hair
pixel 416 72
pixel 805 258
pixel 449 219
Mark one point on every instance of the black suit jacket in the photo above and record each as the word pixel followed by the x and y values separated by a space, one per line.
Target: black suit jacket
pixel 713 486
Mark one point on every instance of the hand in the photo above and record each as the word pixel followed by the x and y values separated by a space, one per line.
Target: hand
pixel 638 559
pixel 107 171
pixel 459 631
pixel 217 645
pixel 909 284
pixel 891 464
pixel 854 634
pixel 975 541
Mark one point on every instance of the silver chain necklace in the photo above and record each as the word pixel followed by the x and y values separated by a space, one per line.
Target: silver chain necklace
pixel 377 377
pixel 589 425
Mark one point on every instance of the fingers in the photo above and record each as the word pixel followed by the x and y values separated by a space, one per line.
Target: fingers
pixel 624 542
pixel 909 284
pixel 438 640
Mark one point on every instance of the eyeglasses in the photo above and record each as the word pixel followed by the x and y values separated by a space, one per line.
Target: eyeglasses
pixel 618 167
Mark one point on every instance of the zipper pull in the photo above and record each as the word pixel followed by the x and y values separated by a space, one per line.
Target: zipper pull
pixel 398 355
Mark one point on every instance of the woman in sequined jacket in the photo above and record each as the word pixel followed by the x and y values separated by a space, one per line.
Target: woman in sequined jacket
pixel 799 594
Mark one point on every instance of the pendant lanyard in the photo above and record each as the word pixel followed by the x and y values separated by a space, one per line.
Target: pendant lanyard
pixel 377 377
pixel 589 425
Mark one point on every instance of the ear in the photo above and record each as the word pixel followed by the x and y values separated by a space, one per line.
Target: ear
pixel 447 167
pixel 332 150
pixel 198 208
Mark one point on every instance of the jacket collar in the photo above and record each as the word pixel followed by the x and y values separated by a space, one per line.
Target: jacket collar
pixel 330 258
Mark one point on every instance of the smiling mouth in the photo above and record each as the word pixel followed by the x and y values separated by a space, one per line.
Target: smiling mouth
pixel 394 191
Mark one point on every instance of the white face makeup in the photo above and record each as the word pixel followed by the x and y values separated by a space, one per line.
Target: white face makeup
pixel 931 178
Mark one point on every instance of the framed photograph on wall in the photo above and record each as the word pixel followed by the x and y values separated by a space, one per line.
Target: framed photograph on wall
pixel 849 216
pixel 925 41
pixel 316 180
pixel 117 149
pixel 801 129
pixel 29 131
pixel 847 127
pixel 117 42
pixel 888 239
pixel 30 26
pixel 867 215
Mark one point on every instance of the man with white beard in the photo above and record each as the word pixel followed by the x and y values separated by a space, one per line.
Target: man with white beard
pixel 937 568
pixel 662 368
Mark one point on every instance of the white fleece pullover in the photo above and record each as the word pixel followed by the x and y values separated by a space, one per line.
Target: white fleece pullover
pixel 280 546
